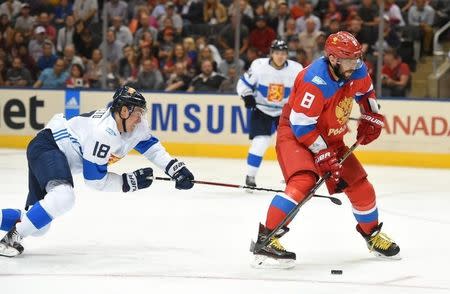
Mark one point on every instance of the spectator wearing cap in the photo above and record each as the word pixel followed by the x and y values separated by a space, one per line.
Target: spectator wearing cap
pixel 54 78
pixel 50 30
pixel 25 22
pixel 207 81
pixel 47 59
pixel 396 75
pixel 116 8
pixel 262 36
pixel 62 11
pixel 86 10
pixel 65 34
pixel 11 8
pixel 301 21
pixel 308 38
pixel 214 12
pixel 18 75
pixel 171 14
pixel 35 48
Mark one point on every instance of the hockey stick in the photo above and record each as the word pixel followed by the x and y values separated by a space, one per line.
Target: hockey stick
pixel 255 247
pixel 331 198
pixel 270 106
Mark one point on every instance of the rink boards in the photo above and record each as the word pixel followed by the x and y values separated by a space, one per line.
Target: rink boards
pixel 417 132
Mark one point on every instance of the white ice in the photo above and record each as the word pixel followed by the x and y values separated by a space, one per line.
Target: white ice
pixel 162 240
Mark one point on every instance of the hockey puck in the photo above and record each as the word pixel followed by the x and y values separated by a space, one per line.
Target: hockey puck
pixel 336 272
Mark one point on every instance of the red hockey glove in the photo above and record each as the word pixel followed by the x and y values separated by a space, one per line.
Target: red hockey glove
pixel 370 125
pixel 326 161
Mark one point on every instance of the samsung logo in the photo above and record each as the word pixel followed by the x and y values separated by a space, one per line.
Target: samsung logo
pixel 191 118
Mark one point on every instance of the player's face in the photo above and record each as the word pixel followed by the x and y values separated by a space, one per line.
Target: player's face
pixel 135 118
pixel 279 57
pixel 348 65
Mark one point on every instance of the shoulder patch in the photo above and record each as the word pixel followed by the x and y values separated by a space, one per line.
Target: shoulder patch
pixel 318 80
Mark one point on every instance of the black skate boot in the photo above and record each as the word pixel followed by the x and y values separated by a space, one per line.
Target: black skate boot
pixel 380 244
pixel 10 244
pixel 273 255
pixel 250 182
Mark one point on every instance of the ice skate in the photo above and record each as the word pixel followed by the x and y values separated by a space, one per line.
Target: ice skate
pixel 250 182
pixel 10 244
pixel 380 244
pixel 273 255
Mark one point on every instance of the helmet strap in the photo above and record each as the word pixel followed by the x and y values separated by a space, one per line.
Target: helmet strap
pixel 130 110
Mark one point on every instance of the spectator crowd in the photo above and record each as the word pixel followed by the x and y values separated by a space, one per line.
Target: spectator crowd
pixel 189 45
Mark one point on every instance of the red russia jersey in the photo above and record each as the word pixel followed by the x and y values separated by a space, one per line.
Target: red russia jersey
pixel 319 106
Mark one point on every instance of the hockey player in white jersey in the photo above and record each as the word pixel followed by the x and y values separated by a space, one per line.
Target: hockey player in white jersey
pixel 86 144
pixel 265 88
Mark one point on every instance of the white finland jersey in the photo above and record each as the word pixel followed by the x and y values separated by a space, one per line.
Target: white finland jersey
pixel 271 87
pixel 91 141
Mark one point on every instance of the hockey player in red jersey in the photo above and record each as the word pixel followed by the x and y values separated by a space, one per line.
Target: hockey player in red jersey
pixel 310 143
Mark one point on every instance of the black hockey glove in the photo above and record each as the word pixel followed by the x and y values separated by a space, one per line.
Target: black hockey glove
pixel 139 179
pixel 178 171
pixel 249 101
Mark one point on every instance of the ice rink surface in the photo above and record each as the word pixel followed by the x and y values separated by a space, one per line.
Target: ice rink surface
pixel 162 240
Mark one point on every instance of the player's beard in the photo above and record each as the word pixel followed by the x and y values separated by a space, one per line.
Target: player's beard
pixel 340 74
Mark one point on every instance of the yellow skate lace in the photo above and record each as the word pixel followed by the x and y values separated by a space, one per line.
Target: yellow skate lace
pixel 276 244
pixel 380 241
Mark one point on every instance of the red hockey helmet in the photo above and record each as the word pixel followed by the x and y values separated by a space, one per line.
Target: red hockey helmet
pixel 343 45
